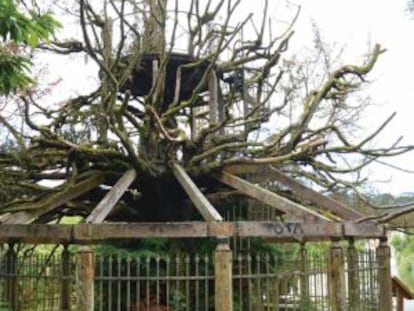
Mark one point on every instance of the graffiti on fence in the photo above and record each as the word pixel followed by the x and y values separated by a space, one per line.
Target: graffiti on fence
pixel 285 228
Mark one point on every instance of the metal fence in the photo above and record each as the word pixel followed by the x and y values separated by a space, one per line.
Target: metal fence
pixel 265 281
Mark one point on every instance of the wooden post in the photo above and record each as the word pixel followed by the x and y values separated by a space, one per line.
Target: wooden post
pixel 400 301
pixel 384 275
pixel 11 287
pixel 66 281
pixel 336 278
pixel 304 276
pixel 353 277
pixel 223 280
pixel 85 278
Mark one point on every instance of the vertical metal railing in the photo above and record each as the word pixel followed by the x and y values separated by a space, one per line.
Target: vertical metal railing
pixel 182 282
pixel 365 270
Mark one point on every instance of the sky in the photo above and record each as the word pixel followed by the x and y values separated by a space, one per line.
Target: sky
pixel 356 23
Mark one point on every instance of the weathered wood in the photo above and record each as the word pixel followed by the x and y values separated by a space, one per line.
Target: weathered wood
pixel 90 233
pixel 360 230
pixel 305 300
pixel 305 193
pixel 106 205
pixel 12 290
pixel 336 278
pixel 289 231
pixel 94 232
pixel 353 277
pixel 384 276
pixel 85 279
pixel 36 233
pixel 66 290
pixel 401 292
pixel 197 197
pixel 61 198
pixel 400 302
pixel 269 197
pixel 223 281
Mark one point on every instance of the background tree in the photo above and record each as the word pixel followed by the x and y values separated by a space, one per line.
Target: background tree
pixel 20 28
pixel 231 98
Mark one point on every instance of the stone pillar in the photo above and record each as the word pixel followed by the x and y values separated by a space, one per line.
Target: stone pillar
pixel 336 278
pixel 384 275
pixel 353 277
pixel 85 278
pixel 223 279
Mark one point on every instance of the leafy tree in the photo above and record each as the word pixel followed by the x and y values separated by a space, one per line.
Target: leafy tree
pixel 234 96
pixel 18 31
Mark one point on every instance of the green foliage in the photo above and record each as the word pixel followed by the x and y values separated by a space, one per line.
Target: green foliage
pixel 18 29
pixel 404 250
pixel 145 247
pixel 13 72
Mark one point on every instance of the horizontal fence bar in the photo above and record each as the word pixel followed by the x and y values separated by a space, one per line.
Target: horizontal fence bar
pixel 279 231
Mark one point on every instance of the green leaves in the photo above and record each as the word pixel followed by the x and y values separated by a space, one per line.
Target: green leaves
pixel 14 71
pixel 17 29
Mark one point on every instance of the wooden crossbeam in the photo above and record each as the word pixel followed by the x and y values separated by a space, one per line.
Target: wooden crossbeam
pixel 305 193
pixel 268 197
pixel 207 210
pixel 275 230
pixel 59 199
pixel 106 205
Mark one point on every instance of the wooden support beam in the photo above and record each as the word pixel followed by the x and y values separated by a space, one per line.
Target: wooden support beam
pixel 197 197
pixel 270 198
pixel 336 278
pixel 305 300
pixel 12 286
pixel 384 276
pixel 90 233
pixel 77 190
pixel 354 290
pixel 66 289
pixel 360 230
pixel 223 279
pixel 106 205
pixel 304 193
pixel 85 279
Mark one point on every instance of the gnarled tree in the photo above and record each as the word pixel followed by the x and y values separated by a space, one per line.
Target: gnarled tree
pixel 204 109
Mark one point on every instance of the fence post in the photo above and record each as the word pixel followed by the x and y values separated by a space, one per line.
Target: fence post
pixel 384 275
pixel 85 278
pixel 12 288
pixel 304 276
pixel 353 277
pixel 223 279
pixel 336 277
pixel 66 281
